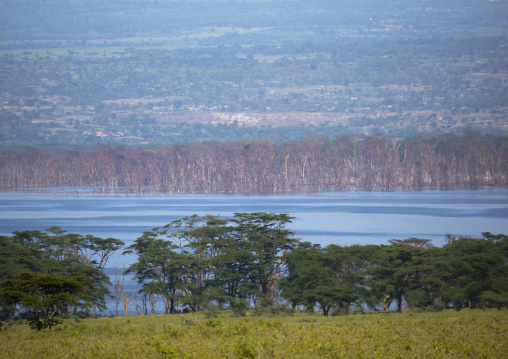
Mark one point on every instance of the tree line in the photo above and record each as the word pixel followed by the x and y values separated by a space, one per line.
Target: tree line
pixel 346 163
pixel 250 260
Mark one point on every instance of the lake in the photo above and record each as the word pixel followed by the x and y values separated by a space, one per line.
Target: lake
pixel 343 218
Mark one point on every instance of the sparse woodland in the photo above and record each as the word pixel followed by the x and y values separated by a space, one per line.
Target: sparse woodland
pixel 317 164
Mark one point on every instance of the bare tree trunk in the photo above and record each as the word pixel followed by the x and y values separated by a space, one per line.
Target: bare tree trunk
pixel 120 290
pixel 153 303
pixel 125 300
pixel 136 299
pixel 386 302
pixel 117 290
pixel 144 303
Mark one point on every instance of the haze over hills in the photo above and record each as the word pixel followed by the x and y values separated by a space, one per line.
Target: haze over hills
pixel 78 73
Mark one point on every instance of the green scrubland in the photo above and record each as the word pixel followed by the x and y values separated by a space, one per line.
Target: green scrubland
pixel 447 334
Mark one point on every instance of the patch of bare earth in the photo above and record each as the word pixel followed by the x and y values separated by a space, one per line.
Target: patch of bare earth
pixel 260 119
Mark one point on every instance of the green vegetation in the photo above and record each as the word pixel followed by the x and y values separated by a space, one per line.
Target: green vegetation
pixel 238 278
pixel 448 334
pixel 153 72
pixel 197 261
pixel 251 261
pixel 47 274
pixel 201 261
pixel 41 297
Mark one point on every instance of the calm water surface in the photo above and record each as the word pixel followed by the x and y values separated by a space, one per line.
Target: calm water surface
pixel 324 218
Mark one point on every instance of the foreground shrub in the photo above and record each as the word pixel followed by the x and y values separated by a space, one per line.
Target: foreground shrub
pixel 239 307
pixel 273 310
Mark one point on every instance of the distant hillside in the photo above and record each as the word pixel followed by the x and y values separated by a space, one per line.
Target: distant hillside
pixel 81 73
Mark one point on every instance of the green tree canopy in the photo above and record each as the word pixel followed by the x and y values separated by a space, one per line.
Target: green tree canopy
pixel 41 297
pixel 63 254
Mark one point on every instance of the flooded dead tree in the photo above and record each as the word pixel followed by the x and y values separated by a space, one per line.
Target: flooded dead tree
pixel 374 162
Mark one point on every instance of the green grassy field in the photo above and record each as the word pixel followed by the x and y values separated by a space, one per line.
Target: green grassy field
pixel 448 334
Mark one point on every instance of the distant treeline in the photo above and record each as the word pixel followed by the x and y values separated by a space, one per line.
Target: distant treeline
pixel 317 164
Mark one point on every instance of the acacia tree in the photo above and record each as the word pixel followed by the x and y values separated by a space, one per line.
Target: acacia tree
pixel 331 277
pixel 217 269
pixel 96 251
pixel 477 271
pixel 196 260
pixel 308 281
pixel 264 235
pixel 41 297
pixel 66 254
pixel 175 260
pixel 349 266
pixel 157 267
pixel 397 270
pixel 15 258
pixel 231 269
pixel 197 239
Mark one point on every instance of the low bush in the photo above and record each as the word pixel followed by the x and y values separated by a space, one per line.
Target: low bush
pixel 273 310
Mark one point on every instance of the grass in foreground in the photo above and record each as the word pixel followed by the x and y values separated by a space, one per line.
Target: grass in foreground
pixel 448 334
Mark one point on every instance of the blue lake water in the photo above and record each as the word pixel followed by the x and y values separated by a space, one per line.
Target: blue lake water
pixel 343 218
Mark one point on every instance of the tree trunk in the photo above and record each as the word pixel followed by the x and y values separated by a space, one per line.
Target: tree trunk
pixel 399 304
pixel 326 309
pixel 386 302
pixel 125 300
